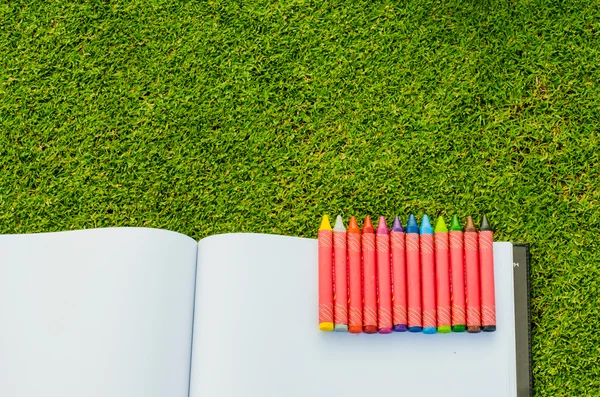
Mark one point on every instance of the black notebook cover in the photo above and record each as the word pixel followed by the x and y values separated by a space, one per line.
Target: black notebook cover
pixel 521 260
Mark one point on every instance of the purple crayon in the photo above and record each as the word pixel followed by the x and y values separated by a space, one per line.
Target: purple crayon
pixel 399 303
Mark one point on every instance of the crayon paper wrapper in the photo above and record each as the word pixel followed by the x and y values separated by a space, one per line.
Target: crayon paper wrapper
pixel 325 276
pixel 384 282
pixel 473 299
pixel 398 277
pixel 457 296
pixel 340 298
pixel 428 281
pixel 355 277
pixel 413 282
pixel 442 274
pixel 369 280
pixel 488 298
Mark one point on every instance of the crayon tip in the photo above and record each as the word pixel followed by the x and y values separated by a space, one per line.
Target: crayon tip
pixel 325 225
pixel 340 328
pixel 474 329
pixel 370 329
pixel 381 226
pixel 429 330
pixel 440 225
pixel 470 226
pixel 353 226
pixel 455 224
pixel 339 224
pixel 411 225
pixel 459 328
pixel 426 225
pixel 400 328
pixel 489 328
pixel 485 225
pixel 368 225
pixel 444 329
pixel 326 327
pixel 397 226
pixel 415 329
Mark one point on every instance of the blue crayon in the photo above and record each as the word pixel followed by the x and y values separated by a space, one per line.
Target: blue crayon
pixel 413 275
pixel 428 277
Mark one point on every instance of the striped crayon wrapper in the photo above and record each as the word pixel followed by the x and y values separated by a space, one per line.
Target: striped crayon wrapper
pixel 399 279
pixel 428 282
pixel 384 283
pixel 340 298
pixel 355 305
pixel 369 283
pixel 457 268
pixel 473 299
pixel 413 280
pixel 442 275
pixel 488 298
pixel 325 280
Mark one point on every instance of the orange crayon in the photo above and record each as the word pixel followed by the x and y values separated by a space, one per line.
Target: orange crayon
pixel 473 300
pixel 340 297
pixel 355 304
pixel 488 294
pixel 384 279
pixel 325 275
pixel 369 278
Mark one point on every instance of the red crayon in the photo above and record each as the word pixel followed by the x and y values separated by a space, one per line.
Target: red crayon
pixel 428 277
pixel 398 276
pixel 413 275
pixel 457 267
pixel 369 278
pixel 442 276
pixel 355 305
pixel 472 275
pixel 384 279
pixel 340 262
pixel 325 275
pixel 486 256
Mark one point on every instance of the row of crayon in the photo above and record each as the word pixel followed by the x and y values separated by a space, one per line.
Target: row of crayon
pixel 415 279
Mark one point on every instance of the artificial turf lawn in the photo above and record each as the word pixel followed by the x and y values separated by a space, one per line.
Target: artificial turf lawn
pixel 214 117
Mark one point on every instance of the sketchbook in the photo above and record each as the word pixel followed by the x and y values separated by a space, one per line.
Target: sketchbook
pixel 135 312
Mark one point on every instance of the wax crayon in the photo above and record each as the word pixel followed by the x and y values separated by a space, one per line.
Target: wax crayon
pixel 428 277
pixel 384 279
pixel 369 278
pixel 457 267
pixel 325 275
pixel 472 276
pixel 398 276
pixel 413 275
pixel 340 262
pixel 486 256
pixel 355 305
pixel 442 276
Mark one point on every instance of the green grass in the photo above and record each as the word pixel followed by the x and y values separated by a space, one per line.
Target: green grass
pixel 214 117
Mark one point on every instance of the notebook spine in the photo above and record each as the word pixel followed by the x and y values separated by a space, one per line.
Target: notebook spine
pixel 524 258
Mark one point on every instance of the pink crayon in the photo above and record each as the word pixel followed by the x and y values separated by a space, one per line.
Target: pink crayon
pixel 325 275
pixel 355 304
pixel 369 278
pixel 413 275
pixel 486 255
pixel 428 277
pixel 340 297
pixel 398 277
pixel 472 275
pixel 384 279
pixel 457 268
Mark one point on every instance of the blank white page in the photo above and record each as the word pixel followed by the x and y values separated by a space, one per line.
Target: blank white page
pixel 256 333
pixel 96 313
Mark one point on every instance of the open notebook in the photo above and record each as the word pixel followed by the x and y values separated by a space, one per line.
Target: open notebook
pixel 133 312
